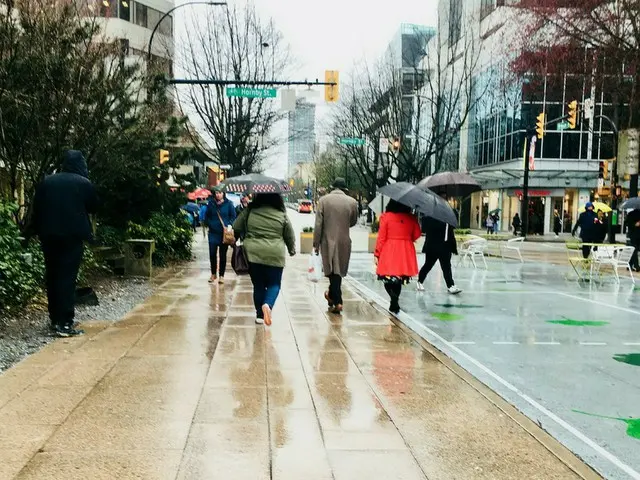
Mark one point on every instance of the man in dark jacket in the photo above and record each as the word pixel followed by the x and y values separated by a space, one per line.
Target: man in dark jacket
pixel 61 209
pixel 590 227
pixel 439 245
pixel 633 223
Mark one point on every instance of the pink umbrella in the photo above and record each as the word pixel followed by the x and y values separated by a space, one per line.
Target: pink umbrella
pixel 199 193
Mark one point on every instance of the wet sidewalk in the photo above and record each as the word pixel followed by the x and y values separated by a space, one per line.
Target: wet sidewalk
pixel 187 387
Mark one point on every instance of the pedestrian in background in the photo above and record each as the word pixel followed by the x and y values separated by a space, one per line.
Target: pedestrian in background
pixel 516 223
pixel 266 232
pixel 589 225
pixel 61 209
pixel 203 214
pixel 440 244
pixel 244 202
pixel 633 224
pixel 395 253
pixel 496 223
pixel 489 224
pixel 219 216
pixel 336 214
pixel 557 223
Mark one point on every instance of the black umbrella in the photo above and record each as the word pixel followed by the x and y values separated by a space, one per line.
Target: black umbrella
pixel 454 184
pixel 631 204
pixel 255 183
pixel 423 200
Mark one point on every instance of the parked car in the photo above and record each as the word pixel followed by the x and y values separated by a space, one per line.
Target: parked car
pixel 305 206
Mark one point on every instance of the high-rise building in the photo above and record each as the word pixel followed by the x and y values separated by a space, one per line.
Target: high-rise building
pixel 302 135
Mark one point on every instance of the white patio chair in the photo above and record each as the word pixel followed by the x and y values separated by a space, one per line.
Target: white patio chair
pixel 616 258
pixel 514 245
pixel 473 248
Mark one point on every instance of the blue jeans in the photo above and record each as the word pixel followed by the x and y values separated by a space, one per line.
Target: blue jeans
pixel 266 285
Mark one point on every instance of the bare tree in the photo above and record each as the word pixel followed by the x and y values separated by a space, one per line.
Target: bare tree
pixel 235 44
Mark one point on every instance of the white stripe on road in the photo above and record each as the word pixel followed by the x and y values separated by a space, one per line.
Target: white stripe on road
pixel 506 343
pixel 463 343
pixel 632 344
pixel 592 344
pixel 448 346
pixel 628 310
pixel 546 343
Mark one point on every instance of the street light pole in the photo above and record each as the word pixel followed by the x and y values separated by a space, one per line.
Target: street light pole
pixel 614 176
pixel 169 12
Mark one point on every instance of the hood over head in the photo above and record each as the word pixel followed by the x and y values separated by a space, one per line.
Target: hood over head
pixel 74 162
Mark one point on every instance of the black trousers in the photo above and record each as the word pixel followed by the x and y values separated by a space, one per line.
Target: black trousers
pixel 444 257
pixel 62 259
pixel 394 290
pixel 213 258
pixel 335 289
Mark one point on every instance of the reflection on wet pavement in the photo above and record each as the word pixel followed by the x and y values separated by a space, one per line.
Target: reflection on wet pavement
pixel 188 387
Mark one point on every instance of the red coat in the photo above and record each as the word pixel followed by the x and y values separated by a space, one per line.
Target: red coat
pixel 395 249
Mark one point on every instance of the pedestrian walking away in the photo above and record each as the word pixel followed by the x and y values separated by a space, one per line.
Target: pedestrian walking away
pixel 633 224
pixel 336 214
pixel 395 253
pixel 590 228
pixel 219 216
pixel 439 245
pixel 61 209
pixel 244 202
pixel 266 232
pixel 557 223
pixel 516 223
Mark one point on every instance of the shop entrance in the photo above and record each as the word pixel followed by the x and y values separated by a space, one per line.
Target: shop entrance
pixel 536 216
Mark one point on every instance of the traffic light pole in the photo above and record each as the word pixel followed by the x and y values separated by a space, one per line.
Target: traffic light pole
pixel 614 177
pixel 525 187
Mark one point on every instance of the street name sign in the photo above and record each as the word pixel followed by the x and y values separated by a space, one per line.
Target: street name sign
pixel 357 142
pixel 251 92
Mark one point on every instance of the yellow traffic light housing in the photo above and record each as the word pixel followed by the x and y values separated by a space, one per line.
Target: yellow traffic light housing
pixel 573 114
pixel 164 156
pixel 540 125
pixel 331 92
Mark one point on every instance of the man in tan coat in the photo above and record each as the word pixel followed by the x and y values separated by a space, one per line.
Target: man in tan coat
pixel 335 215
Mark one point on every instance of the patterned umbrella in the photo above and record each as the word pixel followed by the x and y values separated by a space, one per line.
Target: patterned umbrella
pixel 199 193
pixel 255 183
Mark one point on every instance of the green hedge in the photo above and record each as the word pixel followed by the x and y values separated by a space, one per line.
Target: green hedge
pixel 173 236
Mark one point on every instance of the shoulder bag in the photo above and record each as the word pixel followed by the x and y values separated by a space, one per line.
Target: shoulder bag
pixel 239 260
pixel 228 236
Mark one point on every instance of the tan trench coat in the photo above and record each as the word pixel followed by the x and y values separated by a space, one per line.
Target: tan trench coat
pixel 335 215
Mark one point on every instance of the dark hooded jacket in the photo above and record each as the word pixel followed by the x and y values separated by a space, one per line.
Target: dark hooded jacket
pixel 440 237
pixel 64 201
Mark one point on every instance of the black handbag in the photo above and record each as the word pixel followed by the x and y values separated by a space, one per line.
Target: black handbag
pixel 239 260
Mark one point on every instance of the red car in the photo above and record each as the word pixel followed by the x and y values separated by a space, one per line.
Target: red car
pixel 305 206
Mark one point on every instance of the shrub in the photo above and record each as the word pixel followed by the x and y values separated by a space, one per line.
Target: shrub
pixel 307 230
pixel 173 236
pixel 20 280
pixel 462 231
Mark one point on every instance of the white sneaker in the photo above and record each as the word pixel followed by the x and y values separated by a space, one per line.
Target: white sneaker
pixel 454 290
pixel 419 287
pixel 259 321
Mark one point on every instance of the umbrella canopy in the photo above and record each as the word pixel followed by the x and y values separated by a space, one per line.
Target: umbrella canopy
pixel 493 212
pixel 598 206
pixel 454 184
pixel 378 204
pixel 255 183
pixel 199 193
pixel 632 204
pixel 423 200
pixel 191 207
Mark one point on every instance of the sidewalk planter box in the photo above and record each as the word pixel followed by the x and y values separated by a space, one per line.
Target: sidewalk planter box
pixel 373 238
pixel 138 255
pixel 306 242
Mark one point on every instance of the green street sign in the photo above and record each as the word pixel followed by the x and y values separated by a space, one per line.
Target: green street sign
pixel 356 142
pixel 251 92
pixel 562 126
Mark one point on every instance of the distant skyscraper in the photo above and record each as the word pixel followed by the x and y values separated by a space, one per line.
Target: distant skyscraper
pixel 302 134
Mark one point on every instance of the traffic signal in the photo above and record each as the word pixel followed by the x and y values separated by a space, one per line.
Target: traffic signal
pixel 331 91
pixel 164 156
pixel 603 169
pixel 573 114
pixel 396 144
pixel 540 125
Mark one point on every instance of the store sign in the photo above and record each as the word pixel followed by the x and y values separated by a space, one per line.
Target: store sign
pixel 533 193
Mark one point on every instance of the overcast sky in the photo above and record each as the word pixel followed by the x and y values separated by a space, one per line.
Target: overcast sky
pixel 333 35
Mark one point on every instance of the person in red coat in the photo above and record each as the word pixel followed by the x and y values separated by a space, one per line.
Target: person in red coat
pixel 395 254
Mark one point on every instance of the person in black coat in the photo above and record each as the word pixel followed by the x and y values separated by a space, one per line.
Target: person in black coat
pixel 61 209
pixel 590 228
pixel 439 245
pixel 633 224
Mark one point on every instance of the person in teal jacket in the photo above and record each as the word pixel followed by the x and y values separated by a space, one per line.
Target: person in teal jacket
pixel 219 215
pixel 268 234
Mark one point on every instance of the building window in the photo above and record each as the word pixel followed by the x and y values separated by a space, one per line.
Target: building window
pixel 108 9
pixel 124 10
pixel 455 21
pixel 166 26
pixel 141 15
